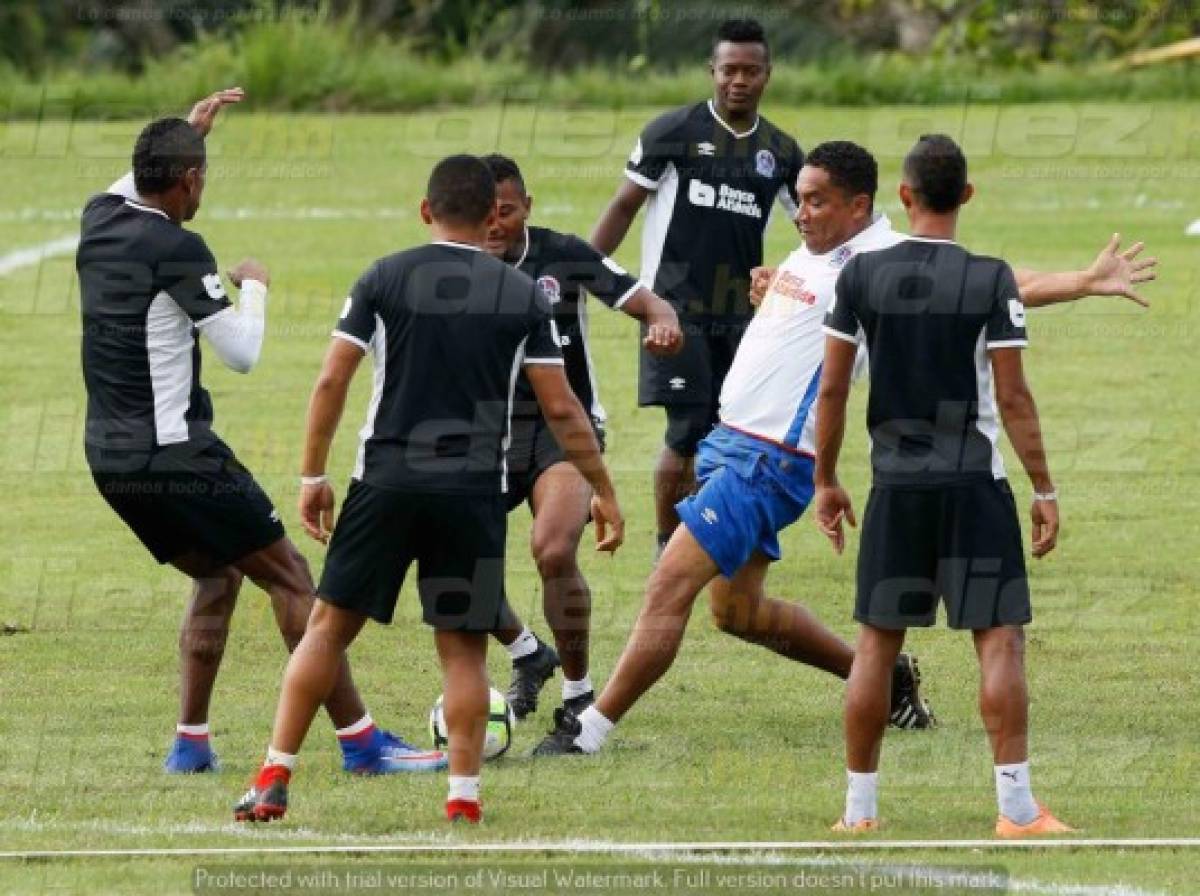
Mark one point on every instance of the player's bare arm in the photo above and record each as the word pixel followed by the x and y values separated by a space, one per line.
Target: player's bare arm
pixel 615 220
pixel 1020 416
pixel 204 113
pixel 1112 273
pixel 663 334
pixel 324 412
pixel 831 502
pixel 573 430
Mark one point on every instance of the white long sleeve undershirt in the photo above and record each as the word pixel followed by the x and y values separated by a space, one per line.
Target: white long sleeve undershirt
pixel 236 334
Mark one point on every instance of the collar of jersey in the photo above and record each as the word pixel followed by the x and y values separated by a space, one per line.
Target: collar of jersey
pixel 932 239
pixel 147 208
pixel 713 111
pixel 524 252
pixel 455 245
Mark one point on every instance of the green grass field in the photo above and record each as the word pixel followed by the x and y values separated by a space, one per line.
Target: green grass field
pixel 735 744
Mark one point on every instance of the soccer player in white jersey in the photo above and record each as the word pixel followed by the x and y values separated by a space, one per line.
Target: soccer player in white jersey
pixel 755 470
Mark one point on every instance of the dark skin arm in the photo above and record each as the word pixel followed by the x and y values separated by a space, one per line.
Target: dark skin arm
pixel 324 412
pixel 663 336
pixel 832 502
pixel 1020 416
pixel 573 431
pixel 615 220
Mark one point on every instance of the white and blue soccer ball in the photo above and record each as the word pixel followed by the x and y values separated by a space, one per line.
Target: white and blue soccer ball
pixel 497 737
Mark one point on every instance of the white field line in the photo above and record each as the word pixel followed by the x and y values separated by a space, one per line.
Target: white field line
pixel 606 848
pixel 23 258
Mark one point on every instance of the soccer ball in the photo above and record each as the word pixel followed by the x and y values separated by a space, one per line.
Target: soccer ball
pixel 498 735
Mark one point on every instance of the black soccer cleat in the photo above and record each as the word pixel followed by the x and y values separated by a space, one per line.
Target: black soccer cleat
pixel 910 711
pixel 530 674
pixel 578 704
pixel 267 798
pixel 561 739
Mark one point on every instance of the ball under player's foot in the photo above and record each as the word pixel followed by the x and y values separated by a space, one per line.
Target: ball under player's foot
pixel 563 737
pixel 379 752
pixel 529 675
pixel 191 755
pixel 470 811
pixel 267 797
pixel 910 710
pixel 1044 823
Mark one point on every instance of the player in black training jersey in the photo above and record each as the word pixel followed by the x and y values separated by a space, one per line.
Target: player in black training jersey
pixel 449 329
pixel 711 173
pixel 148 290
pixel 944 330
pixel 567 269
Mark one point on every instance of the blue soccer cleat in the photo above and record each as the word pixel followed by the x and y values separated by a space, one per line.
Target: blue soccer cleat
pixel 379 752
pixel 191 755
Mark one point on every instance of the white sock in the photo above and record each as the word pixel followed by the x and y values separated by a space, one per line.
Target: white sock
pixel 573 689
pixel 200 730
pixel 357 728
pixel 595 730
pixel 862 796
pixel 1014 792
pixel 525 644
pixel 463 787
pixel 287 760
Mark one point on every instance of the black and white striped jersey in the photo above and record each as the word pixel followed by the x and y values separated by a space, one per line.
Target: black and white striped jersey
pixel 448 328
pixel 567 269
pixel 930 311
pixel 146 285
pixel 713 191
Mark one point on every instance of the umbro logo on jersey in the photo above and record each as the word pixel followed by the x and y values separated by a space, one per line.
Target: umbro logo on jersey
pixel 709 516
pixel 706 149
pixel 564 341
pixel 677 383
pixel 274 515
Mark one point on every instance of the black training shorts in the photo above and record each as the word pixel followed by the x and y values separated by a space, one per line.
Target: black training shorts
pixel 959 544
pixel 457 542
pixel 188 499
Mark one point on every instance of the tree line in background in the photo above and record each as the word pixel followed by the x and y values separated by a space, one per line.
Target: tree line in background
pixel 41 36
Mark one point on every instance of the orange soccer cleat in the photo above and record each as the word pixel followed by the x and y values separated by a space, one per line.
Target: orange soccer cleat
pixel 1045 823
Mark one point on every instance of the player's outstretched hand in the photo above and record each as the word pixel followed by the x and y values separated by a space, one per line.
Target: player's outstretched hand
pixel 663 336
pixel 316 510
pixel 610 524
pixel 760 280
pixel 833 507
pixel 1116 273
pixel 249 269
pixel 1045 527
pixel 204 113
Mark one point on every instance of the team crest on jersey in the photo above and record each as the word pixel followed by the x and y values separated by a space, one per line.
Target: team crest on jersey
pixel 840 256
pixel 551 288
pixel 764 163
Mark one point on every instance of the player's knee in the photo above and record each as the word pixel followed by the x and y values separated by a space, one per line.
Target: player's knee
pixel 555 556
pixel 723 615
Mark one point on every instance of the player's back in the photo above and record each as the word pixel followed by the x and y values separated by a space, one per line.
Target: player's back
pixel 930 310
pixel 448 327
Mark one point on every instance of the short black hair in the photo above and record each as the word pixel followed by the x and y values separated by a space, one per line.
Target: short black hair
pixel 741 31
pixel 165 149
pixel 503 168
pixel 461 190
pixel 851 168
pixel 936 169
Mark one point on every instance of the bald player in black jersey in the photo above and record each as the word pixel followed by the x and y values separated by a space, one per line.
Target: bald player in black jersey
pixel 567 269
pixel 709 175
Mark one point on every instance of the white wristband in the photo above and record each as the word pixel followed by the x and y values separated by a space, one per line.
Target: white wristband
pixel 1045 496
pixel 314 480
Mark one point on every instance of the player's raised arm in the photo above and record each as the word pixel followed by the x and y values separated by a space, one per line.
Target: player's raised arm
pixel 1112 273
pixel 573 431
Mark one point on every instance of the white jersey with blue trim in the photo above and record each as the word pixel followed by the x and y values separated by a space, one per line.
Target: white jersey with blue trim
pixel 772 386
